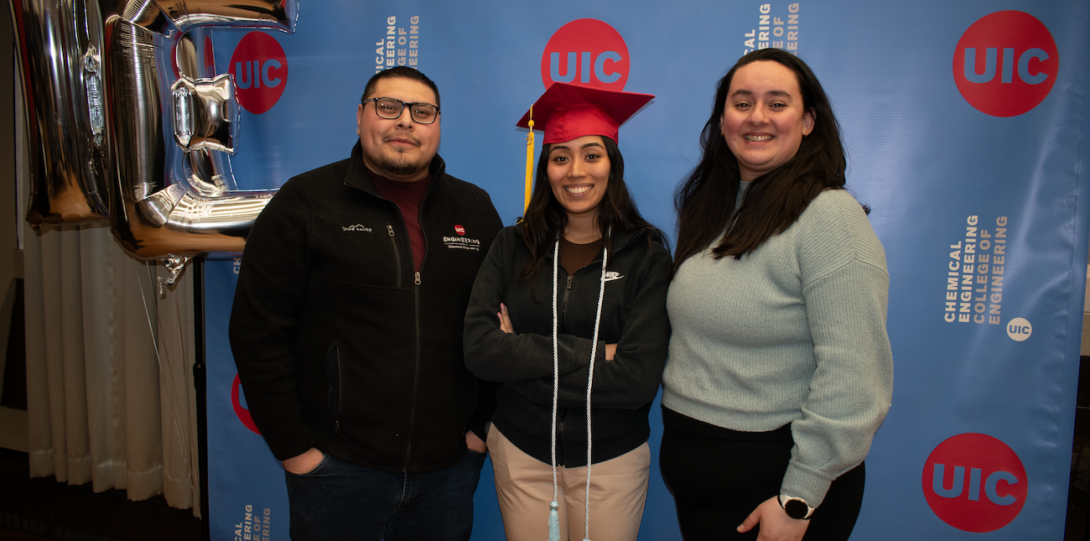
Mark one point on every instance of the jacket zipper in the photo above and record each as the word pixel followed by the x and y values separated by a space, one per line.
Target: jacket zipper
pixel 560 448
pixel 416 365
pixel 416 373
pixel 340 394
pixel 336 411
pixel 397 253
pixel 567 293
pixel 416 370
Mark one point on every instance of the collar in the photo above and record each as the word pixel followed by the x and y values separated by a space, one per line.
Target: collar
pixel 621 240
pixel 359 177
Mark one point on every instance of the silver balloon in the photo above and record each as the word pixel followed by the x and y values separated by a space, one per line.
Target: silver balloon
pixel 60 45
pixel 119 112
pixel 205 114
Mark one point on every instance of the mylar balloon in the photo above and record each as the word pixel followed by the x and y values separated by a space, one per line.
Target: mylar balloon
pixel 131 122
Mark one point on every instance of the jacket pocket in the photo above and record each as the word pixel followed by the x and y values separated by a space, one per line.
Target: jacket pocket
pixel 358 250
pixel 336 386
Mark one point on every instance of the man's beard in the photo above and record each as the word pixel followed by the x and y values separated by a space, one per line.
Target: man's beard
pixel 399 165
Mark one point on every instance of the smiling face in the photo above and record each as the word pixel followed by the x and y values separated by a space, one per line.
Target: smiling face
pixel 578 174
pixel 400 148
pixel 765 119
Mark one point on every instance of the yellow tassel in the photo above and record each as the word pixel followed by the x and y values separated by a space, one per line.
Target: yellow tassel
pixel 529 162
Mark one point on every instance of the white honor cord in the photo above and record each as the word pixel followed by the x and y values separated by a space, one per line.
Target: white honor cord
pixel 556 364
pixel 590 378
pixel 590 382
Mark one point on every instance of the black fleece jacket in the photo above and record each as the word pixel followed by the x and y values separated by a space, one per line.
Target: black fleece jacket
pixel 633 317
pixel 339 343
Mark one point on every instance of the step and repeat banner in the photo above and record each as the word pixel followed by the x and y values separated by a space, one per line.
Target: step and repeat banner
pixel 967 131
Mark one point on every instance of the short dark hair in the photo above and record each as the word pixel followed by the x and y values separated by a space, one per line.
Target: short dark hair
pixel 403 72
pixel 545 216
pixel 774 201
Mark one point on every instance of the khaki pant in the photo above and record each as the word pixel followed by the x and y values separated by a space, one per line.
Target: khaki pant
pixel 524 486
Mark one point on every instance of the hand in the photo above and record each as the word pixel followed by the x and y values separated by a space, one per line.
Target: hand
pixel 505 321
pixel 611 351
pixel 304 463
pixel 475 443
pixel 775 524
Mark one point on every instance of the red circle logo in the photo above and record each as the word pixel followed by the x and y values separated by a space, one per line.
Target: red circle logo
pixel 260 70
pixel 975 483
pixel 1006 63
pixel 460 230
pixel 242 413
pixel 587 52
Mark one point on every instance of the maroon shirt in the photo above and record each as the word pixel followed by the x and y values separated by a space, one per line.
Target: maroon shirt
pixel 576 256
pixel 407 196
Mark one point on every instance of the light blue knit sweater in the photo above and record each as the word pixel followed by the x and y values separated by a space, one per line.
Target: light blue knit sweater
pixel 792 333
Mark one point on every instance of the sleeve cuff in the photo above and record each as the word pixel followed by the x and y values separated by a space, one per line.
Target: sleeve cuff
pixel 808 485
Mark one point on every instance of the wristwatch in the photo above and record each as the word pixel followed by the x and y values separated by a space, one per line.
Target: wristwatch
pixel 796 508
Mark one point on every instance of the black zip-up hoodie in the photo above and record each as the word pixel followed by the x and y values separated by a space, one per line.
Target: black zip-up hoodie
pixel 339 343
pixel 633 317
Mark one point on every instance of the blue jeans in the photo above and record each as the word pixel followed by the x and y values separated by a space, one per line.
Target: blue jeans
pixel 343 501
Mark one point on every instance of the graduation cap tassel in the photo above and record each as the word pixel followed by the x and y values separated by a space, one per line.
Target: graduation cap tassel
pixel 529 162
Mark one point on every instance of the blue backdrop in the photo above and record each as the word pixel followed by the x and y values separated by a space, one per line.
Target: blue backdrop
pixel 975 173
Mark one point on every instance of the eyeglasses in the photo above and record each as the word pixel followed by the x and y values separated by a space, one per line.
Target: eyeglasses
pixel 423 113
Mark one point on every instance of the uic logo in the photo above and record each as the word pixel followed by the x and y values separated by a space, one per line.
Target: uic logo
pixel 1009 55
pixel 938 480
pixel 1019 329
pixel 584 64
pixel 255 73
pixel 1006 63
pixel 588 52
pixel 260 71
pixel 975 483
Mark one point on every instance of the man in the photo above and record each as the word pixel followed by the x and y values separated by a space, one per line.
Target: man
pixel 347 329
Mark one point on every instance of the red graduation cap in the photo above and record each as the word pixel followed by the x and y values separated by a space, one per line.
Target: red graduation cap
pixel 566 111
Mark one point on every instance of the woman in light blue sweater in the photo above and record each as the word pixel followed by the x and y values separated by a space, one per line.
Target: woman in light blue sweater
pixel 780 369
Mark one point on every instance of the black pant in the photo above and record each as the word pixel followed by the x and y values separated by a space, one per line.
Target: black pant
pixel 719 476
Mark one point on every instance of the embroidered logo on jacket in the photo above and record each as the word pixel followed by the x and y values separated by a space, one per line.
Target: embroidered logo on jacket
pixel 462 243
pixel 613 275
pixel 357 227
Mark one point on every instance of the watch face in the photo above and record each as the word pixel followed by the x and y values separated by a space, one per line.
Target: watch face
pixel 796 509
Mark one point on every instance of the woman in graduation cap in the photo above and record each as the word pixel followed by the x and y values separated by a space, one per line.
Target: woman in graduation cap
pixel 568 314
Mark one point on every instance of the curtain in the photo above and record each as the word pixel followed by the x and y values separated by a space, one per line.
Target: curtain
pixel 111 399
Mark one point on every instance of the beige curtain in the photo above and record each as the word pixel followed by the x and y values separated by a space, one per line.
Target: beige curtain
pixel 109 368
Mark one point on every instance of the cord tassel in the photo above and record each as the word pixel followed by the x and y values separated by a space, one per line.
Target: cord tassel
pixel 554 516
pixel 554 522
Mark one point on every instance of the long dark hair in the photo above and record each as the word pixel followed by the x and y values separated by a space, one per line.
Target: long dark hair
pixel 545 217
pixel 773 201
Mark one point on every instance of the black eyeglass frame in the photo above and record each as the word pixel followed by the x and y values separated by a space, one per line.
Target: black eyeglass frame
pixel 402 110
